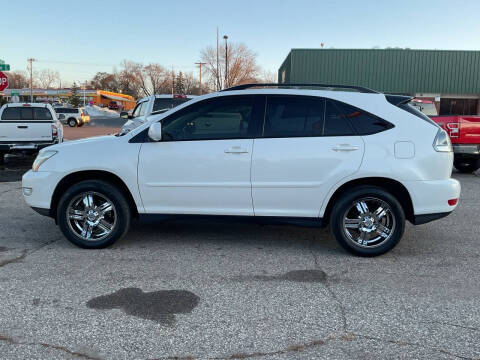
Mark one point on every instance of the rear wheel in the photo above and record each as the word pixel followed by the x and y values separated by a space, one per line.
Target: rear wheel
pixel 93 214
pixel 72 122
pixel 467 165
pixel 367 221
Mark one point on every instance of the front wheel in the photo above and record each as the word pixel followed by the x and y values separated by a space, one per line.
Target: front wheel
pixel 93 214
pixel 367 221
pixel 72 122
pixel 467 165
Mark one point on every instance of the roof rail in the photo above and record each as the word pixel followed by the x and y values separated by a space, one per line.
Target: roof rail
pixel 327 86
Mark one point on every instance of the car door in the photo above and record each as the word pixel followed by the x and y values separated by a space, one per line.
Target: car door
pixel 202 165
pixel 307 146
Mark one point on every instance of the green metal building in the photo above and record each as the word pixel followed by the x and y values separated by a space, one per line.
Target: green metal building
pixel 449 78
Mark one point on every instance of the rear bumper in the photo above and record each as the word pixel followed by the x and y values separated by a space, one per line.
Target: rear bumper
pixel 466 150
pixel 426 218
pixel 25 146
pixel 430 198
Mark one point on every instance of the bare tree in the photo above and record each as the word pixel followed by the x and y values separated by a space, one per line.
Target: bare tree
pixel 158 79
pixel 47 78
pixel 17 79
pixel 105 81
pixel 242 64
pixel 268 76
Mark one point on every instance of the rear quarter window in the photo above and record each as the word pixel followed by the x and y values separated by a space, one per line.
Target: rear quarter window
pixel 363 122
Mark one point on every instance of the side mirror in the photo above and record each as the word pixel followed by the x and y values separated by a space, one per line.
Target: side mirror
pixel 155 131
pixel 124 115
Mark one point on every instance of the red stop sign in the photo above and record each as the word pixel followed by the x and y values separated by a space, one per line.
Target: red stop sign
pixel 3 81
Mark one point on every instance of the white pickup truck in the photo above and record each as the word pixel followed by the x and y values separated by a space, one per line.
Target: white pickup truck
pixel 28 128
pixel 151 105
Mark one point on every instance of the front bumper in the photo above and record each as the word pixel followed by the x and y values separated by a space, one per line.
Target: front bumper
pixel 42 185
pixel 430 198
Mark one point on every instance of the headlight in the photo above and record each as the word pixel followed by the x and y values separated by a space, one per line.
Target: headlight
pixel 42 157
pixel 442 142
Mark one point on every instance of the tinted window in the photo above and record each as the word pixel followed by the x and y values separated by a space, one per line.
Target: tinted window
pixel 363 122
pixel 222 118
pixel 335 122
pixel 160 104
pixel 26 113
pixel 11 113
pixel 293 116
pixel 42 114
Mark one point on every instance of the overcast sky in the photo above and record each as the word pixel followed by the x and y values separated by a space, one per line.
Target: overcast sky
pixel 79 38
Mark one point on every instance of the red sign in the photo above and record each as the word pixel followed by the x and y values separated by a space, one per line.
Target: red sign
pixel 3 81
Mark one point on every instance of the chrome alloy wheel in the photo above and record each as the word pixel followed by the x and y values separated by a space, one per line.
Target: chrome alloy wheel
pixel 369 222
pixel 91 216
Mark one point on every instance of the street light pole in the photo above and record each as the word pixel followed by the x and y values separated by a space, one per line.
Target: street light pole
pixel 226 61
pixel 200 66
pixel 31 60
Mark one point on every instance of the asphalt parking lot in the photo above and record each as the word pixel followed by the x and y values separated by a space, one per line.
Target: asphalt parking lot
pixel 188 290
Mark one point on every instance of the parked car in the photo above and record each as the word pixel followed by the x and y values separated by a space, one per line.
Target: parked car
pixel 151 105
pixel 306 157
pixel 113 105
pixel 28 128
pixel 464 132
pixel 72 116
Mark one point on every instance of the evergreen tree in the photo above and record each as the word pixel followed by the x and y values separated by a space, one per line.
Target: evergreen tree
pixel 74 99
pixel 179 84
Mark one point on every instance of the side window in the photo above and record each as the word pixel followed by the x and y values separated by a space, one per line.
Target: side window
pixel 143 109
pixel 288 116
pixel 42 114
pixel 363 122
pixel 221 118
pixel 11 113
pixel 335 122
pixel 138 109
pixel 26 113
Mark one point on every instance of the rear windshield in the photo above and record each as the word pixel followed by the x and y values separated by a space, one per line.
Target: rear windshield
pixel 26 113
pixel 66 111
pixel 414 110
pixel 160 104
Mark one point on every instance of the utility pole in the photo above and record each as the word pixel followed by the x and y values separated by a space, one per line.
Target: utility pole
pixel 200 66
pixel 31 60
pixel 226 62
pixel 173 80
pixel 218 75
pixel 84 90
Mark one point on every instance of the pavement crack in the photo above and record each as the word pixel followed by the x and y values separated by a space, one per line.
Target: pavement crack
pixel 13 341
pixel 289 349
pixel 14 260
pixel 340 306
pixel 25 253
pixel 451 324
pixel 409 343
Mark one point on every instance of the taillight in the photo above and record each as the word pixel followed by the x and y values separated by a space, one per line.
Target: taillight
pixel 452 202
pixel 453 129
pixel 442 142
pixel 54 131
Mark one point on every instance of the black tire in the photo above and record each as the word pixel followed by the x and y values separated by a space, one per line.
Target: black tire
pixel 72 122
pixel 109 191
pixel 467 165
pixel 347 202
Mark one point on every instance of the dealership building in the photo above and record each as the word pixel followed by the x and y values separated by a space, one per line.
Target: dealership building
pixel 449 78
pixel 95 97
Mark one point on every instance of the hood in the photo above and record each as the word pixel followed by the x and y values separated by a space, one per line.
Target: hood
pixel 90 140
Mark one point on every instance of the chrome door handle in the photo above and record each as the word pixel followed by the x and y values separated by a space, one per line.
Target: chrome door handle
pixel 345 147
pixel 236 150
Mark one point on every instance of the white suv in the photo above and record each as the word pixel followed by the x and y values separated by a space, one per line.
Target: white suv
pixel 361 161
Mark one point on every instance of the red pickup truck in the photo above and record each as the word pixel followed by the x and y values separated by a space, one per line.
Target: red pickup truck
pixel 464 131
